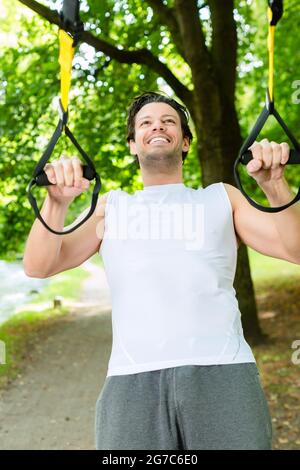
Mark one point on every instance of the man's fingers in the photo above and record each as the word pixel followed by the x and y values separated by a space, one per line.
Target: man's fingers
pixel 77 169
pixel 68 171
pixel 49 170
pixel 267 152
pixel 285 152
pixel 277 153
pixel 257 157
pixel 256 150
pixel 59 173
pixel 254 165
pixel 271 153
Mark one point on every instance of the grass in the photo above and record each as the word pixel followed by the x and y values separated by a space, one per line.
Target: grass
pixel 34 320
pixel 266 269
pixel 66 285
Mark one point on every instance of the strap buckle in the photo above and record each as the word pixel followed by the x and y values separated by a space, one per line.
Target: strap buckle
pixel 63 115
pixel 269 103
pixel 276 7
pixel 70 20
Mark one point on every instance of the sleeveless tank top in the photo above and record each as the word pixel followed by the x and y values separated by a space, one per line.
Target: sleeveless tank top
pixel 169 253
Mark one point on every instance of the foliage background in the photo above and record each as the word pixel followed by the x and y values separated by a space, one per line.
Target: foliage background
pixel 102 89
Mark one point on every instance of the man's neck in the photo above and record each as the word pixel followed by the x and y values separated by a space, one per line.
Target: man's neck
pixel 151 180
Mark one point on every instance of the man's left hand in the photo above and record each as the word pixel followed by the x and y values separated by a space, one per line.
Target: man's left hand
pixel 268 163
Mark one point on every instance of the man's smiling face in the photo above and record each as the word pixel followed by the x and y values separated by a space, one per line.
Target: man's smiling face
pixel 158 136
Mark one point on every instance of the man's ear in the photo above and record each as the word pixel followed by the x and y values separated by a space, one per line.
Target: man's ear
pixel 186 144
pixel 132 146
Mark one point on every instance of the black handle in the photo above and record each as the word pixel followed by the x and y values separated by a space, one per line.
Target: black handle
pixel 42 180
pixel 294 157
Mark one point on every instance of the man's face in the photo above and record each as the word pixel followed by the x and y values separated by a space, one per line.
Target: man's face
pixel 158 136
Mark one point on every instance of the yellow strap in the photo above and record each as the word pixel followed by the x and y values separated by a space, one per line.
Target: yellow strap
pixel 271 55
pixel 66 54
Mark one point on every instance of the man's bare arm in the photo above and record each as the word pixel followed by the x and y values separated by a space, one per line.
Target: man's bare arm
pixel 43 251
pixel 43 248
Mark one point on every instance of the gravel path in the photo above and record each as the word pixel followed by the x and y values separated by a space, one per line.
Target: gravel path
pixel 52 405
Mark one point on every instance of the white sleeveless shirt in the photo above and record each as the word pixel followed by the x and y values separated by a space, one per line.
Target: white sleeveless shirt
pixel 169 254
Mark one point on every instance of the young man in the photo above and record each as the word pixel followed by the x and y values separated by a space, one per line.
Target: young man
pixel 180 375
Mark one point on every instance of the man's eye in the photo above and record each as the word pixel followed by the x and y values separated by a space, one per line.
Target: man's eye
pixel 166 120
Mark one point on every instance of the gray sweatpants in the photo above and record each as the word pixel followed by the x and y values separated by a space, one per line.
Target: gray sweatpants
pixel 185 407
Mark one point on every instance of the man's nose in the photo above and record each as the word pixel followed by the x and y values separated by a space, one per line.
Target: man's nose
pixel 158 124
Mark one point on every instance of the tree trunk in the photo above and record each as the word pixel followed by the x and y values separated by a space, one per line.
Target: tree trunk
pixel 246 298
pixel 243 283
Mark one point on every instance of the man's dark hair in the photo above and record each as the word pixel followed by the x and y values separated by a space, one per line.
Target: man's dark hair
pixel 154 97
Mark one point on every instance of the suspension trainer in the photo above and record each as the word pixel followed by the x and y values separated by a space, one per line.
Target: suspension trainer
pixel 275 11
pixel 69 34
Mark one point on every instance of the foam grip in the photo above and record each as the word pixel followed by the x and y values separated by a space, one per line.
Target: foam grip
pixel 42 180
pixel 294 157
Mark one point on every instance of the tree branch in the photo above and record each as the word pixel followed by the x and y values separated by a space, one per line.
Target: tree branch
pixel 197 53
pixel 224 44
pixel 141 56
pixel 190 28
pixel 50 15
pixel 167 17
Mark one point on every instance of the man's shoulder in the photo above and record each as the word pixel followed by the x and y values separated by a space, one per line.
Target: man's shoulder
pixel 234 195
pixel 101 203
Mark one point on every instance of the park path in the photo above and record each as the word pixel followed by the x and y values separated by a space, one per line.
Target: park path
pixel 52 405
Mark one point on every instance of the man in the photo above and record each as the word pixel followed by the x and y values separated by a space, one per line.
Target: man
pixel 180 375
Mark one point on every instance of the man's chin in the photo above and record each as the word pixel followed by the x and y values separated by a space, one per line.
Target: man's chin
pixel 157 160
pixel 159 156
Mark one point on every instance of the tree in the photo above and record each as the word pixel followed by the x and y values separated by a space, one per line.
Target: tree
pixel 193 47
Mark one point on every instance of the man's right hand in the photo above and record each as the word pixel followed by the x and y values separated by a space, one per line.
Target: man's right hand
pixel 67 177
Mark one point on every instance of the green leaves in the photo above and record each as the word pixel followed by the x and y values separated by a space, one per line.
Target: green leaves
pixel 102 89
